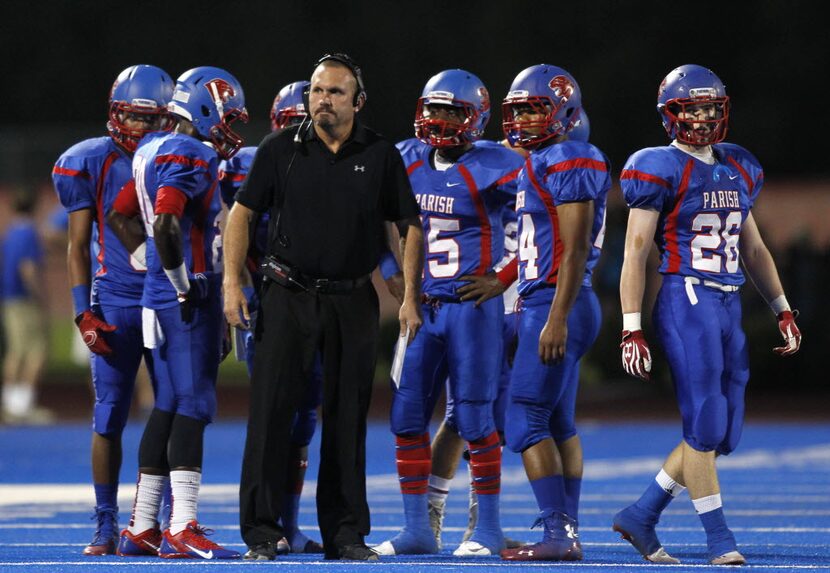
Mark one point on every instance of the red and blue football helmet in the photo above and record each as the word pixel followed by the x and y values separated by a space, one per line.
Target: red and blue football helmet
pixel 212 100
pixel 139 91
pixel 581 130
pixel 289 107
pixel 687 86
pixel 456 88
pixel 550 92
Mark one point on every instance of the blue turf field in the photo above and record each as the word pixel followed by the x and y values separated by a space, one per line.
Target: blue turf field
pixel 776 490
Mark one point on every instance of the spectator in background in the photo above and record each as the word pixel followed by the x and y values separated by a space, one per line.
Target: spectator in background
pixel 23 315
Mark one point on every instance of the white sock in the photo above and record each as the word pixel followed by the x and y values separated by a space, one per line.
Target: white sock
pixel 708 503
pixel 439 488
pixel 148 493
pixel 665 481
pixel 18 398
pixel 185 487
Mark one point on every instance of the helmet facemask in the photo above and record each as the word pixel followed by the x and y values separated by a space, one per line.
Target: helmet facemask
pixel 697 121
pixel 224 139
pixel 444 133
pixel 155 117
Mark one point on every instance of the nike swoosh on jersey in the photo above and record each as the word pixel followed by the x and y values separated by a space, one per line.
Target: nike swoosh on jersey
pixel 200 553
pixel 452 184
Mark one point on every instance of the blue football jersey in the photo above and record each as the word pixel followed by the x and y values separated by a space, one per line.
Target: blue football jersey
pixel 232 173
pixel 461 210
pixel 184 163
pixel 701 206
pixel 567 172
pixel 89 175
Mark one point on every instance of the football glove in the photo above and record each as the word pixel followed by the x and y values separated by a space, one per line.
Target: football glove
pixel 92 331
pixel 193 298
pixel 636 356
pixel 790 333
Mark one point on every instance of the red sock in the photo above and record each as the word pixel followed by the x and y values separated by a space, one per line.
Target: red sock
pixel 414 458
pixel 485 464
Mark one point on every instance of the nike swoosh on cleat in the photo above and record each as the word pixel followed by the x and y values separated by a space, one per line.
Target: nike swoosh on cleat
pixel 200 553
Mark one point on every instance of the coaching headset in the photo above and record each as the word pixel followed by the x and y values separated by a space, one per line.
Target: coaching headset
pixel 360 95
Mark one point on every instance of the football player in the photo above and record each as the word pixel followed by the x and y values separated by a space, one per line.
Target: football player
pixel 287 110
pixel 560 206
pixel 107 291
pixel 175 194
pixel 447 445
pixel 693 197
pixel 462 185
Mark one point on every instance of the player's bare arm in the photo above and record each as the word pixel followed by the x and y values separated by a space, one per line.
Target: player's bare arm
pixel 129 230
pixel 77 253
pixel 412 241
pixel 636 355
pixel 235 248
pixel 575 220
pixel 761 268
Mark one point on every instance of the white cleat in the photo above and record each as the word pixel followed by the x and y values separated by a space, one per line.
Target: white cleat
pixel 385 548
pixel 471 549
pixel 731 558
pixel 660 556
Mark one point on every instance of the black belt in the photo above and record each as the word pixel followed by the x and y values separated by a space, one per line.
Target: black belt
pixel 328 286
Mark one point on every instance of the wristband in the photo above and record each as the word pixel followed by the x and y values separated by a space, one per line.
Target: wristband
pixel 140 254
pixel 388 265
pixel 178 278
pixel 631 321
pixel 80 298
pixel 779 305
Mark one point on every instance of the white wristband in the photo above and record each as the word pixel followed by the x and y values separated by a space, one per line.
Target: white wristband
pixel 779 305
pixel 631 321
pixel 139 255
pixel 178 278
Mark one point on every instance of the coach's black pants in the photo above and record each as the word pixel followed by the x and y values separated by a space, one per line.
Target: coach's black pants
pixel 291 327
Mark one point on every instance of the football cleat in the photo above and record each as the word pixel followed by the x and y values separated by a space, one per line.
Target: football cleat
pixel 559 543
pixel 192 543
pixel 408 542
pixel 262 552
pixel 135 545
pixel 283 547
pixel 731 558
pixel 105 540
pixel 639 531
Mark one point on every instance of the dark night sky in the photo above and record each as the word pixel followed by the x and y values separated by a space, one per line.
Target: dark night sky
pixel 60 58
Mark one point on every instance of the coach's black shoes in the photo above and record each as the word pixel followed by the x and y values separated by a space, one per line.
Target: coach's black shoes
pixel 261 552
pixel 357 552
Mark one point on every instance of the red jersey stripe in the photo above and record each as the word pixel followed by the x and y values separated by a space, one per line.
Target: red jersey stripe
pixel 647 177
pixel 547 200
pixel 749 183
pixel 576 163
pixel 486 230
pixel 414 166
pixel 670 227
pixel 70 172
pixel 509 177
pixel 181 159
pixel 197 231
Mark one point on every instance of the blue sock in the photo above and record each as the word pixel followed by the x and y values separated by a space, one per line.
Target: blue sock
pixel 106 494
pixel 488 512
pixel 654 500
pixel 718 536
pixel 550 493
pixel 573 487
pixel 416 512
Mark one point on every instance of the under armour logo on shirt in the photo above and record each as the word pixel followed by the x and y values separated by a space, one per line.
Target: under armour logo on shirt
pixel 360 168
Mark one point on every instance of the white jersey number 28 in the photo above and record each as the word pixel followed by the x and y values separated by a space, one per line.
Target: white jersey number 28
pixel 715 236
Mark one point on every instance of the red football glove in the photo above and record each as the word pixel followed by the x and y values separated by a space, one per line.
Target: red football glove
pixel 790 333
pixel 636 357
pixel 92 331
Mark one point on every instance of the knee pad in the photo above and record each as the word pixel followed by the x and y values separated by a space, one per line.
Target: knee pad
pixel 305 422
pixel 710 424
pixel 474 419
pixel 201 406
pixel 152 452
pixel 186 442
pixel 407 417
pixel 109 418
pixel 526 424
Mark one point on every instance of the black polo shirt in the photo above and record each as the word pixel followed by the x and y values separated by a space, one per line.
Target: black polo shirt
pixel 331 207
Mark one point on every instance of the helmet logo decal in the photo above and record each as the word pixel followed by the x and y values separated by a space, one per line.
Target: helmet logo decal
pixel 562 87
pixel 221 92
pixel 485 98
